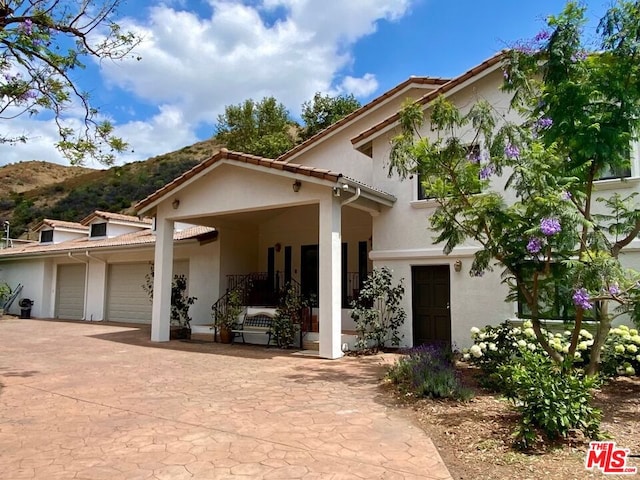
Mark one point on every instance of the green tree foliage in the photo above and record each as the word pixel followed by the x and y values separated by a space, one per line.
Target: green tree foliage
pixel 580 113
pixel 259 128
pixel 42 44
pixel 324 110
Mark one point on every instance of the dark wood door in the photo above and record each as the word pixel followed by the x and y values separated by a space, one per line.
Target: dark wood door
pixel 309 271
pixel 431 297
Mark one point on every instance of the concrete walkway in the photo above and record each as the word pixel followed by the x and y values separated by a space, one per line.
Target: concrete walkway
pixel 96 401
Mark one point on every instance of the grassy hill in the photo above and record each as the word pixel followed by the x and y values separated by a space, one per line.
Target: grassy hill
pixel 78 194
pixel 24 176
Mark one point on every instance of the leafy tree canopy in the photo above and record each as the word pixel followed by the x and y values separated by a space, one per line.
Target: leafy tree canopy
pixel 325 110
pixel 580 110
pixel 260 128
pixel 41 43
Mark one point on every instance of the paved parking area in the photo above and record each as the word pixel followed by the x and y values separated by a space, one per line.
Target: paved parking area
pixel 97 401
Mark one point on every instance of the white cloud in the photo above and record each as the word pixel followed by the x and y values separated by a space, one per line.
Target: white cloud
pixel 193 65
pixel 360 87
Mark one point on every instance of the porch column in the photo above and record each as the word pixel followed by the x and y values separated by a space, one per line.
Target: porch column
pixel 163 273
pixel 330 288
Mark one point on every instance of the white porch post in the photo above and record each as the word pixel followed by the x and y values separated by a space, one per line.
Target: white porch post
pixel 163 273
pixel 330 288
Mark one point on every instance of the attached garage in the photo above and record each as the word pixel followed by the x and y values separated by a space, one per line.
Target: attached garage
pixel 126 299
pixel 70 291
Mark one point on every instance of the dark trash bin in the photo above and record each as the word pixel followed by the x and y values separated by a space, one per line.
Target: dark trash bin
pixel 25 307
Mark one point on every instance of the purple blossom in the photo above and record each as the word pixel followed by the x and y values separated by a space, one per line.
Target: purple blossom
pixel 486 172
pixel 512 151
pixel 550 226
pixel 26 27
pixel 614 289
pixel 542 35
pixel 474 156
pixel 544 122
pixel 581 299
pixel 564 195
pixel 534 245
pixel 578 56
pixel 28 95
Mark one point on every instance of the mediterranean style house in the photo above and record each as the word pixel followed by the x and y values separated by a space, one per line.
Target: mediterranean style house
pixel 321 216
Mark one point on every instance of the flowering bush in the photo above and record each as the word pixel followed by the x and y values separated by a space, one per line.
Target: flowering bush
pixel 495 346
pixel 428 371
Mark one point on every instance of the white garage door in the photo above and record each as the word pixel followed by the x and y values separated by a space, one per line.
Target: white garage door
pixel 70 292
pixel 126 299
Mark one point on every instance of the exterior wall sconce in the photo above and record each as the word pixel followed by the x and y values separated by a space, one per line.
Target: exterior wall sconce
pixel 277 247
pixel 296 186
pixel 457 266
pixel 175 204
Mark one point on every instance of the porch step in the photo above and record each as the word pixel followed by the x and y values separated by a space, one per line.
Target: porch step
pixel 311 345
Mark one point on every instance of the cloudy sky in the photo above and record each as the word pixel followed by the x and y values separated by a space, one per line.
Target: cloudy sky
pixel 200 55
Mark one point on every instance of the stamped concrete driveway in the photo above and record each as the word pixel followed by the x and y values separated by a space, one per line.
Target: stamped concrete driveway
pixel 96 401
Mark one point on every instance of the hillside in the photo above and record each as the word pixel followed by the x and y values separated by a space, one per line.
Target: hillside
pixel 116 189
pixel 24 176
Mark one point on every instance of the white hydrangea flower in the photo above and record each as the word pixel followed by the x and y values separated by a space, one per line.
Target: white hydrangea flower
pixel 475 351
pixel 577 355
pixel 565 349
pixel 633 332
pixel 586 334
pixel 531 347
pixel 466 357
pixel 557 346
pixel 619 348
pixel 475 331
pixel 582 346
pixel 493 347
pixel 567 333
pixel 615 331
pixel 631 348
pixel 636 339
pixel 630 370
pixel 483 346
pixel 626 336
pixel 638 358
pixel 558 335
pixel 522 343
pixel 527 324
pixel 624 328
pixel 528 332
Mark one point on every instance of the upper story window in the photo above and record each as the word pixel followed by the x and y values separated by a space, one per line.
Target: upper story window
pixel 473 151
pixel 46 236
pixel 627 171
pixel 98 230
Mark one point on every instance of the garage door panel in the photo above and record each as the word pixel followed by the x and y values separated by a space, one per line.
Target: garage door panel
pixel 70 292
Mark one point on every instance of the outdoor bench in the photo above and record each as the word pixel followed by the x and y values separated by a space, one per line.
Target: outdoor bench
pixel 260 322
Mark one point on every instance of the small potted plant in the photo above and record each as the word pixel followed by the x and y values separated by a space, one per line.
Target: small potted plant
pixel 225 319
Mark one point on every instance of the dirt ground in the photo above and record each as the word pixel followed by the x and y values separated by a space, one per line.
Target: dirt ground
pixel 475 438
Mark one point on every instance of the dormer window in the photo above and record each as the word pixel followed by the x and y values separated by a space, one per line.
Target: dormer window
pixel 98 230
pixel 46 236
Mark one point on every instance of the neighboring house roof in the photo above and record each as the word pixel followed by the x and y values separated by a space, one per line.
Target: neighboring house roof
pixel 357 113
pixel 429 97
pixel 140 238
pixel 47 222
pixel 118 217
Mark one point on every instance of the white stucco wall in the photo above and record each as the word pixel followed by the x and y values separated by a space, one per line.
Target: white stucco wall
pixel 32 275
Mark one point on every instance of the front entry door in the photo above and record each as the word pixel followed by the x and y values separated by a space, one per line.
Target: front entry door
pixel 431 312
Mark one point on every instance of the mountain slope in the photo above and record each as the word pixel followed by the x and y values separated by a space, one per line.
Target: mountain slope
pixel 116 189
pixel 24 176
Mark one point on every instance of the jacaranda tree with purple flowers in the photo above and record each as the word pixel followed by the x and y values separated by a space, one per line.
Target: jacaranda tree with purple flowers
pixel 579 106
pixel 42 44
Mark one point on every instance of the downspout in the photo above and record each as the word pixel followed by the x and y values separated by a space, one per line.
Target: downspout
pixel 86 283
pixel 353 198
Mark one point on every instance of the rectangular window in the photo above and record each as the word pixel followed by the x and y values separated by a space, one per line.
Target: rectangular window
pixel 98 230
pixel 46 236
pixel 554 292
pixel 612 172
pixel 473 151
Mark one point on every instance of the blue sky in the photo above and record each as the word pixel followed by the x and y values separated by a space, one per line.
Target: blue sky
pixel 200 55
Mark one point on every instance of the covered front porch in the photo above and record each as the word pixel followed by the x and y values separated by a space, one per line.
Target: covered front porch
pixel 277 222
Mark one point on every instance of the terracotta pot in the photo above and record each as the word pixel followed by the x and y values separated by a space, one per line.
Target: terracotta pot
pixel 225 335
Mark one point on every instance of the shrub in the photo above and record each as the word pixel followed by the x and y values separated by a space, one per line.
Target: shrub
pixel 377 311
pixel 550 399
pixel 428 371
pixel 621 353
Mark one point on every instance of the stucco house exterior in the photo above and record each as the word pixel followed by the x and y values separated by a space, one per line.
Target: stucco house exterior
pixel 322 215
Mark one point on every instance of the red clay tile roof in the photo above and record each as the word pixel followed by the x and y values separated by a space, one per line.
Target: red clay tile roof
pixel 373 103
pixel 496 59
pixel 115 216
pixel 60 224
pixel 142 237
pixel 225 154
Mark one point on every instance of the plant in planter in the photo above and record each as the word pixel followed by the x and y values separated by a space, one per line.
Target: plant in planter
pixel 5 293
pixel 289 316
pixel 226 318
pixel 180 303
